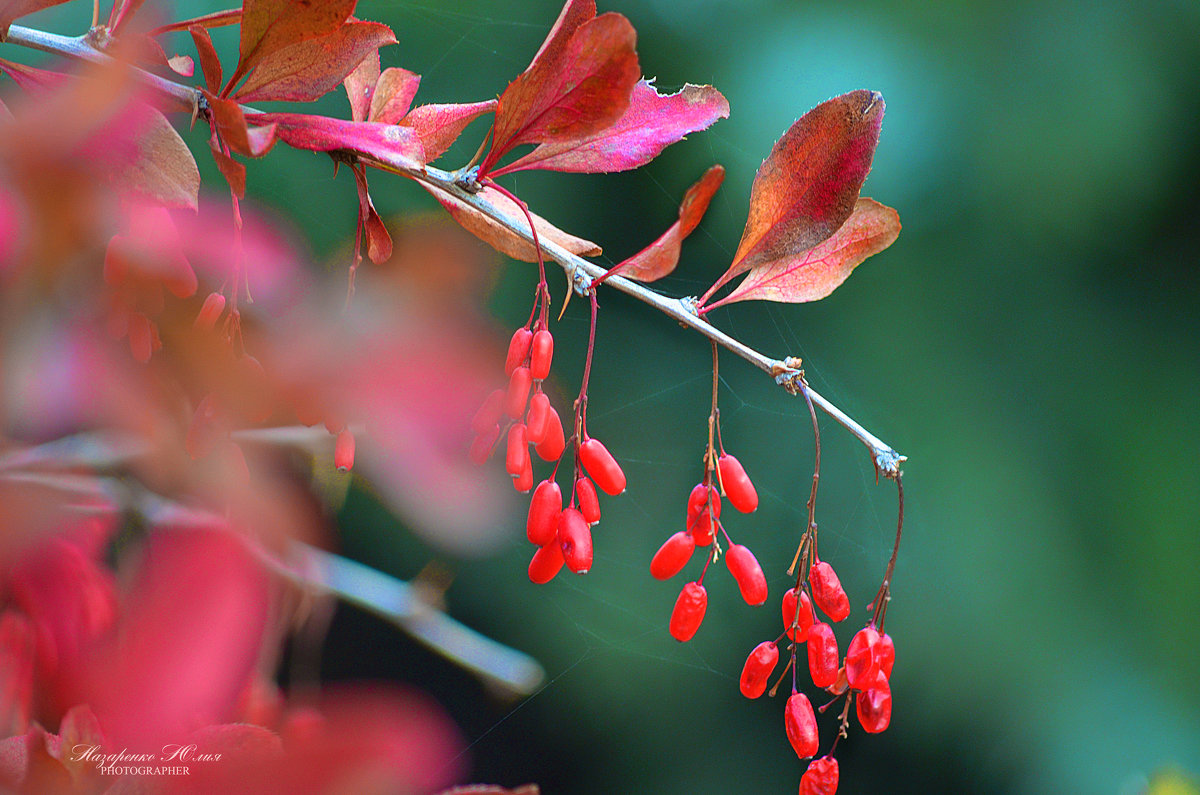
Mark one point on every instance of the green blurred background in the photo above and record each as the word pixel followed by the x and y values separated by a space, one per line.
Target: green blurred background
pixel 1030 342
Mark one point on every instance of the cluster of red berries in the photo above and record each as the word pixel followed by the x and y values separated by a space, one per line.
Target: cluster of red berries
pixel 865 671
pixel 703 522
pixel 563 535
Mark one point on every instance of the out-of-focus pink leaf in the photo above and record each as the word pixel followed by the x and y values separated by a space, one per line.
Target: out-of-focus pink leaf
pixel 210 62
pixel 309 69
pixel 163 170
pixel 17 655
pixel 30 78
pixel 163 673
pixel 393 95
pixel 440 125
pixel 13 9
pixel 182 65
pixel 387 143
pixel 577 84
pixel 807 186
pixel 501 238
pixel 360 86
pixel 271 25
pixel 813 274
pixel 652 122
pixel 660 257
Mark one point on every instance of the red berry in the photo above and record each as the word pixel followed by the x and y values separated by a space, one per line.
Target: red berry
pixel 797 626
pixel 672 556
pixel 481 448
pixel 519 384
pixel 749 575
pixel 738 488
pixel 542 525
pixel 885 654
pixel 541 354
pixel 688 612
pixel 524 481
pixel 701 521
pixel 758 668
pixel 827 591
pixel 553 444
pixel 546 563
pixel 538 419
pixel 518 349
pixel 207 317
pixel 589 503
pixel 517 454
pixel 343 451
pixel 822 655
pixel 821 778
pixel 575 537
pixel 801 725
pixel 861 665
pixel 874 705
pixel 489 413
pixel 603 468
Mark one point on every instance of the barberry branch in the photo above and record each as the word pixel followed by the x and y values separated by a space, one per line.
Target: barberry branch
pixel 579 271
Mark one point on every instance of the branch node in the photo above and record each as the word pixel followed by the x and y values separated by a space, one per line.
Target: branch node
pixel 887 463
pixel 581 283
pixel 468 180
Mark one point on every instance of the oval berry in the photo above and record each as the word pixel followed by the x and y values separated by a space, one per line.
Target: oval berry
pixel 553 444
pixel 540 354
pixel 758 668
pixel 546 563
pixel 343 451
pixel 524 481
pixel 821 778
pixel 801 724
pixel 517 453
pixel 482 446
pixel 542 525
pixel 538 418
pixel 797 618
pixel 688 612
pixel 489 413
pixel 575 537
pixel 822 655
pixel 861 665
pixel 827 591
pixel 519 384
pixel 738 488
pixel 698 500
pixel 747 573
pixel 672 556
pixel 589 502
pixel 603 468
pixel 885 654
pixel 518 349
pixel 874 705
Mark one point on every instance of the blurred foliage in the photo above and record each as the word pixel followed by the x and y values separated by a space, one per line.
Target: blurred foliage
pixel 1031 342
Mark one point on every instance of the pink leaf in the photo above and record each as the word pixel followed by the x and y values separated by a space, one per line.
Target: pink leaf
pixel 807 186
pixel 503 239
pixel 815 273
pixel 309 69
pixel 652 122
pixel 360 86
pixel 12 9
pixel 393 95
pixel 440 125
pixel 660 257
pixel 578 82
pixel 379 242
pixel 388 144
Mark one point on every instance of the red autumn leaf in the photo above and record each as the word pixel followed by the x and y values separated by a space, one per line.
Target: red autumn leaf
pixel 393 95
pixel 30 78
pixel 360 86
pixel 807 186
pixel 235 132
pixel 660 257
pixel 388 144
pixel 578 83
pixel 502 239
pixel 307 70
pixel 233 171
pixel 271 25
pixel 162 169
pixel 216 19
pixel 12 9
pixel 379 242
pixel 652 122
pixel 210 63
pixel 439 126
pixel 816 272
